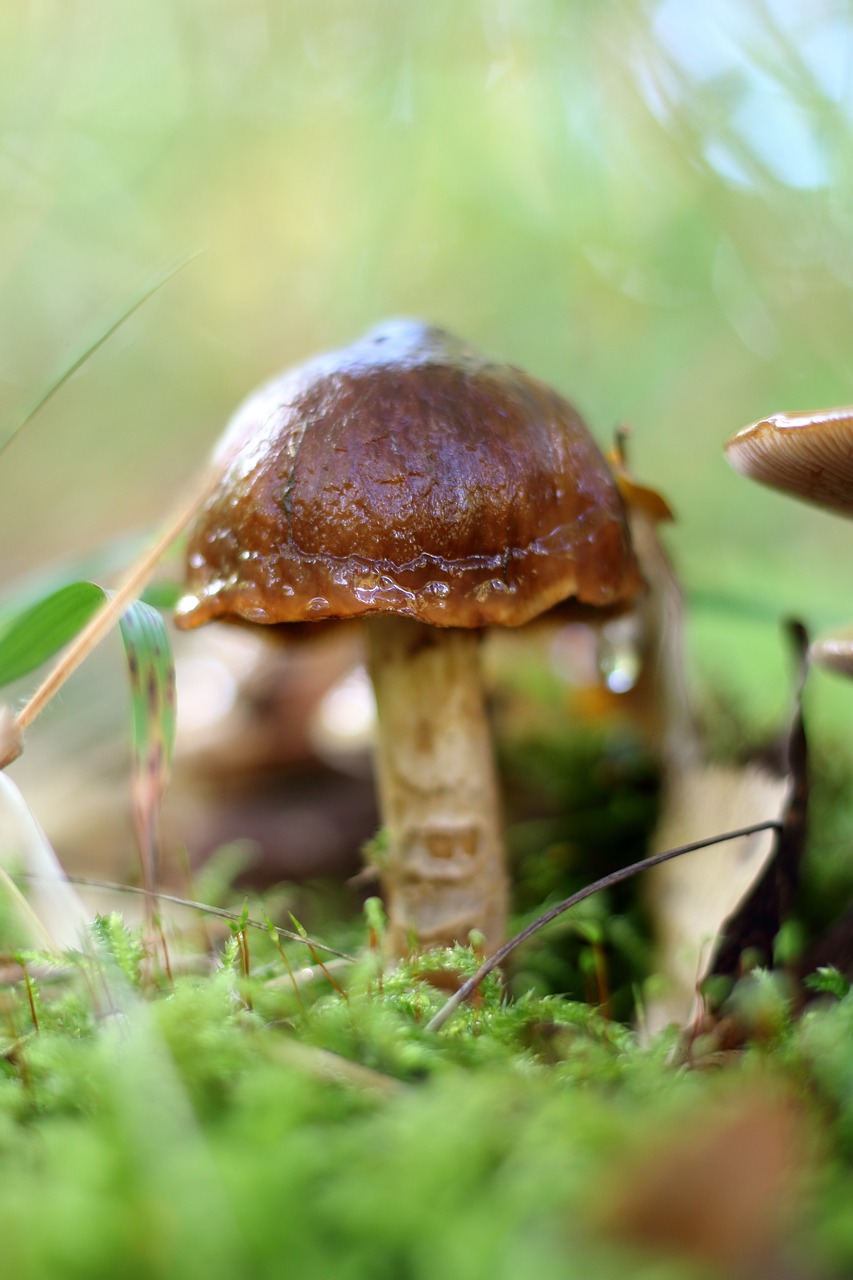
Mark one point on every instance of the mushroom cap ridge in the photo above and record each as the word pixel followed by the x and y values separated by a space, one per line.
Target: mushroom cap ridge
pixel 808 455
pixel 407 474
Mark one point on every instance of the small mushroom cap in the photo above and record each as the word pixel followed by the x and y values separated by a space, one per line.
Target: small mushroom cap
pixel 407 474
pixel 809 455
pixel 834 652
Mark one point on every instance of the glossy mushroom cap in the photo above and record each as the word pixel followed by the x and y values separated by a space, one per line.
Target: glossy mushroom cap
pixel 407 474
pixel 809 455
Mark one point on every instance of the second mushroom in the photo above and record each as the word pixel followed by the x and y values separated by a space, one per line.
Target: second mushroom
pixel 412 482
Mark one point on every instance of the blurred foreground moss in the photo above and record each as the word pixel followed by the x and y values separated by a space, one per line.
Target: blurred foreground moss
pixel 223 1127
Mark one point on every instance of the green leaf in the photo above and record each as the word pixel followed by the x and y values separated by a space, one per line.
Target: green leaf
pixel 829 981
pixel 152 685
pixel 36 633
pixel 31 637
pixel 152 679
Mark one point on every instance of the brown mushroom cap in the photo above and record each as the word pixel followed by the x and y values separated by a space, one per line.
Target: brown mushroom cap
pixel 407 474
pixel 809 455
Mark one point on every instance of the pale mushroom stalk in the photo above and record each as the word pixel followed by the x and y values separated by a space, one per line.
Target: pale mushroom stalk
pixel 443 873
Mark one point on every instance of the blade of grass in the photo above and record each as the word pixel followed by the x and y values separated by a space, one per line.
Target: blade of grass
pixel 152 683
pixel 61 379
pixel 37 633
pixel 62 917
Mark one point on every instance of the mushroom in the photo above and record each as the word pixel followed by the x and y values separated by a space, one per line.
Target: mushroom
pixel 410 481
pixel 808 455
pixel 834 651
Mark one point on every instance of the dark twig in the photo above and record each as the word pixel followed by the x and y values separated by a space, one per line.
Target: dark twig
pixel 606 882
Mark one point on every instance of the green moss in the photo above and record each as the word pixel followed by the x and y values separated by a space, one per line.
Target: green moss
pixel 187 1134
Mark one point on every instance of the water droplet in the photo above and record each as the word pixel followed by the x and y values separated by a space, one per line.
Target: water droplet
pixel 619 658
pixel 186 604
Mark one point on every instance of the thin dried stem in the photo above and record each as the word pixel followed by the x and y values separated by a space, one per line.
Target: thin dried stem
pixel 106 617
pixel 606 882
pixel 112 886
pixel 30 996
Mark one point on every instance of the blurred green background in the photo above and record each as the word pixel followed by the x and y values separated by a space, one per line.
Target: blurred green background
pixel 646 203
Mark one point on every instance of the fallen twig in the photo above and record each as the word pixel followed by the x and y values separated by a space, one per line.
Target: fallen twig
pixel 606 882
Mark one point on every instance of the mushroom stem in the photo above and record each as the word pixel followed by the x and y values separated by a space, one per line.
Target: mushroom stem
pixel 445 869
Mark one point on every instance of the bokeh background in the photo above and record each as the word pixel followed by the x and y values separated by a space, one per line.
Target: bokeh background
pixel 647 202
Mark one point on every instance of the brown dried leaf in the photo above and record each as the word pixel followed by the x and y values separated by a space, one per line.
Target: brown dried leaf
pixel 755 924
pixel 720 1189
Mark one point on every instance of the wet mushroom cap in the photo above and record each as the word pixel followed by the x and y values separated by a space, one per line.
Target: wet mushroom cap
pixel 407 474
pixel 808 455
